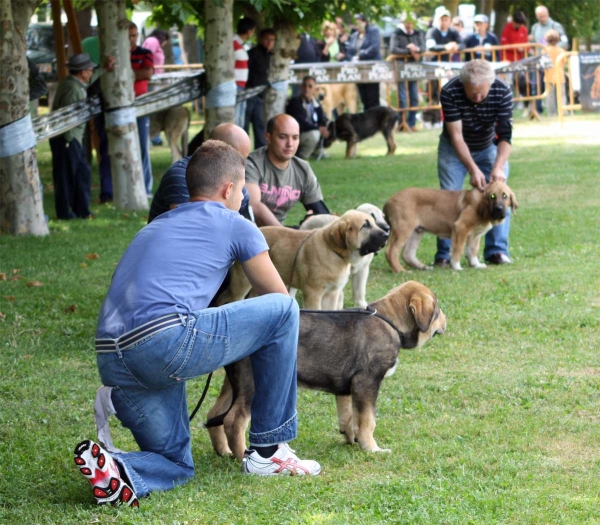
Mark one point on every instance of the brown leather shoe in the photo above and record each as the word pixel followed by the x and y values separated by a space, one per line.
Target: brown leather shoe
pixel 442 263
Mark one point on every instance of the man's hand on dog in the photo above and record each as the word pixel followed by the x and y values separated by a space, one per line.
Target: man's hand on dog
pixel 478 180
pixel 497 175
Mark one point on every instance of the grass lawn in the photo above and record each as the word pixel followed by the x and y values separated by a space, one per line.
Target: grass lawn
pixel 498 421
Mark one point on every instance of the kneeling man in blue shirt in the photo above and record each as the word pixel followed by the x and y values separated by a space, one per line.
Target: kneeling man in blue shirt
pixel 156 331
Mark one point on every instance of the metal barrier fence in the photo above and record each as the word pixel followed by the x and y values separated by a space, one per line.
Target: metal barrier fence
pixel 565 98
pixel 187 84
pixel 518 64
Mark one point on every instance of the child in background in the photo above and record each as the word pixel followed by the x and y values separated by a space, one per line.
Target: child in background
pixel 552 76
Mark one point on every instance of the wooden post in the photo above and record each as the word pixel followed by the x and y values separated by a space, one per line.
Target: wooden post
pixel 59 41
pixel 72 26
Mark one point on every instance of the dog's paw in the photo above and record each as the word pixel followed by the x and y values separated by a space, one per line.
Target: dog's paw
pixel 479 265
pixel 427 268
pixel 361 304
pixel 456 266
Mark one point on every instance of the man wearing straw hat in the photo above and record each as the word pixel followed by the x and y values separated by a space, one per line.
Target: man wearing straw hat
pixel 70 171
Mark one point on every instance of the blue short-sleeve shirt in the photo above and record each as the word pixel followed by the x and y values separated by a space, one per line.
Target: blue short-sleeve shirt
pixel 176 264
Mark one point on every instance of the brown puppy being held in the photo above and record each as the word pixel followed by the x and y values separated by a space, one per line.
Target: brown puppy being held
pixel 463 216
pixel 316 262
pixel 346 353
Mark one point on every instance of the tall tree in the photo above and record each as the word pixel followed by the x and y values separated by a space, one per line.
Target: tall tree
pixel 21 206
pixel 220 100
pixel 117 93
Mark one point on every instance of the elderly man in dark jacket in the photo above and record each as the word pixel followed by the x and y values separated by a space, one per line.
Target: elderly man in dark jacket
pixel 364 44
pixel 407 44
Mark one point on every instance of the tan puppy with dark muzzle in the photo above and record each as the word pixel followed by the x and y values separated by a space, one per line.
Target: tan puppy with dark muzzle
pixel 463 216
pixel 316 262
pixel 347 353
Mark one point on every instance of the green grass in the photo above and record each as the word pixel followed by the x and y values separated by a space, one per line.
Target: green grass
pixel 496 422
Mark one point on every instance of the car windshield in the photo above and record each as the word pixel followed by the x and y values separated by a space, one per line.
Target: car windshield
pixel 40 38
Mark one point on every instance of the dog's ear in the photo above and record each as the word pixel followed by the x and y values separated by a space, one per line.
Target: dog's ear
pixel 484 208
pixel 423 307
pixel 338 233
pixel 513 202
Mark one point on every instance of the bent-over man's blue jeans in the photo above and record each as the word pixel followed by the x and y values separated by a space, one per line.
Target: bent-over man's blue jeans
pixel 451 172
pixel 150 381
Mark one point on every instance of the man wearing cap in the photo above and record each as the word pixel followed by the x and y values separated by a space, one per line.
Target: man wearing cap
pixel 444 39
pixel 481 38
pixel 407 43
pixel 70 171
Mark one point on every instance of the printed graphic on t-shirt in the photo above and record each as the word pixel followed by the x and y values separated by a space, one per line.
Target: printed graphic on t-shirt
pixel 282 197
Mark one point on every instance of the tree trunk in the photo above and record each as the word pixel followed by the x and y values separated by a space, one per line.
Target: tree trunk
pixel 21 206
pixel 219 62
pixel 452 6
pixel 84 22
pixel 286 44
pixel 117 92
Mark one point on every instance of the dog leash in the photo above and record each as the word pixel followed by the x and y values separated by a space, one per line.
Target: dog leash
pixel 360 311
pixel 202 396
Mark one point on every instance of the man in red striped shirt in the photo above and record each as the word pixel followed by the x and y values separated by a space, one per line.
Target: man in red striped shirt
pixel 244 31
pixel 142 63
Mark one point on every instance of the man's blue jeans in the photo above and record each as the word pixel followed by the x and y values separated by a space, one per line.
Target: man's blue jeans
pixel 255 116
pixel 413 95
pixel 150 380
pixel 143 124
pixel 451 172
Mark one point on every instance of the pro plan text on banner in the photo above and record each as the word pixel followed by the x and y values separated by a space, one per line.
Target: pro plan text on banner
pixel 589 70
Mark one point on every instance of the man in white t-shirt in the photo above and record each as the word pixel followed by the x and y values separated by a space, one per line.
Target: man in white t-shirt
pixel 276 179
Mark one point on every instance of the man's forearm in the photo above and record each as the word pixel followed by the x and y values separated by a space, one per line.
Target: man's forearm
pixel 463 153
pixel 504 149
pixel 264 216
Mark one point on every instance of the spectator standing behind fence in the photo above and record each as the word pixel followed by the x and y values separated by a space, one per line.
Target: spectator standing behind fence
pixel 365 44
pixel 408 43
pixel 476 139
pixel 244 31
pixel 142 63
pixel 70 170
pixel 310 117
pixel 553 76
pixel 443 39
pixel 514 32
pixel 332 49
pixel 259 62
pixel 459 25
pixel 538 35
pixel 155 43
pixel 481 38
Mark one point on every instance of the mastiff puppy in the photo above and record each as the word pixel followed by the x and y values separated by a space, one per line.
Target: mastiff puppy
pixel 346 353
pixel 316 262
pixel 359 270
pixel 463 216
pixel 353 128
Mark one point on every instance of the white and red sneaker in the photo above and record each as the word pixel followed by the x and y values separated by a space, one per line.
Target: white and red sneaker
pixel 284 461
pixel 102 472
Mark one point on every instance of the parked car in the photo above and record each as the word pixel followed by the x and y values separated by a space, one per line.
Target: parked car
pixel 40 50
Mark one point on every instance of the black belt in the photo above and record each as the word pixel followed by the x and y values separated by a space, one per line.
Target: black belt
pixel 128 339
